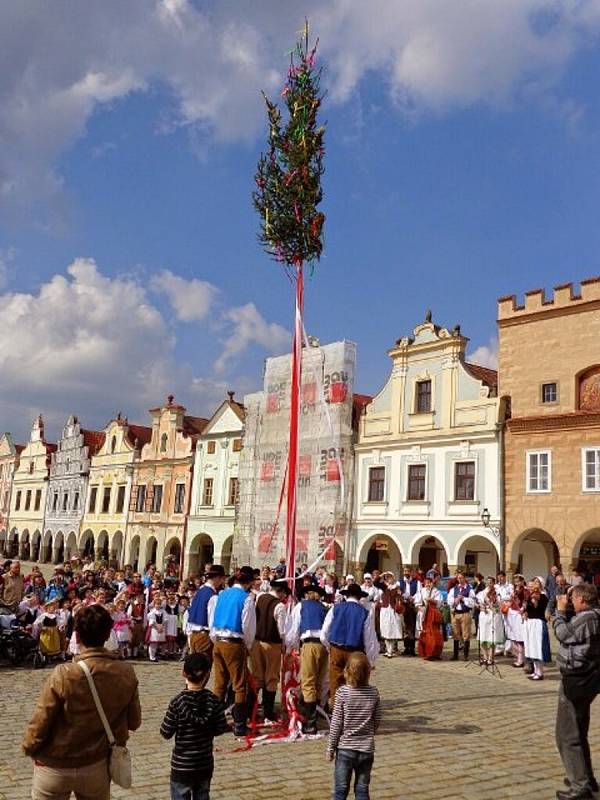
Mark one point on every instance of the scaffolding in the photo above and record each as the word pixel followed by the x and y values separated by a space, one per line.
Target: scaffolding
pixel 325 464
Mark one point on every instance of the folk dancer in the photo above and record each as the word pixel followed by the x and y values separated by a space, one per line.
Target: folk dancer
pixel 490 632
pixel 429 633
pixel 232 632
pixel 265 656
pixel 534 628
pixel 348 628
pixel 391 609
pixel 504 590
pixel 304 632
pixel 461 600
pixel 514 620
pixel 410 586
pixel 198 618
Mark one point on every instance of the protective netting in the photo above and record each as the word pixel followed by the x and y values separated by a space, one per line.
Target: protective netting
pixel 325 459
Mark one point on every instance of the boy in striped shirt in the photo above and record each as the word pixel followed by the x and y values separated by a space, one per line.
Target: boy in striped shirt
pixel 194 717
pixel 356 717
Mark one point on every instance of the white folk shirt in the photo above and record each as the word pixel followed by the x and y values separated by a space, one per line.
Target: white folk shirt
pixel 504 591
pixel 424 595
pixel 248 620
pixel 189 627
pixel 369 635
pixel 459 602
pixel 293 638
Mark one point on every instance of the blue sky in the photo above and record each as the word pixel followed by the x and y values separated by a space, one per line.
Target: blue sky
pixel 462 164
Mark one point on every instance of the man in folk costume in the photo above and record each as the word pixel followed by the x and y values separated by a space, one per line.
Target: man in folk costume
pixel 391 608
pixel 428 596
pixel 461 600
pixel 348 627
pixel 232 630
pixel 304 632
pixel 265 656
pixel 201 611
pixel 409 586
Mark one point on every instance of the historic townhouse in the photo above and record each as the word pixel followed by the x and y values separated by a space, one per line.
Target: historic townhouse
pixel 162 480
pixel 215 488
pixel 428 460
pixel 67 488
pixel 9 460
pixel 28 500
pixel 550 371
pixel 104 523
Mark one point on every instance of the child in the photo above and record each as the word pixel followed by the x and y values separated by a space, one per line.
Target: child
pixel 136 611
pixel 171 612
pixel 194 717
pixel 122 626
pixel 155 634
pixel 356 717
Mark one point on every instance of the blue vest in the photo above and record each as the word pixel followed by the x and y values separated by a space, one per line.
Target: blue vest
pixel 198 614
pixel 413 585
pixel 312 614
pixel 347 625
pixel 228 612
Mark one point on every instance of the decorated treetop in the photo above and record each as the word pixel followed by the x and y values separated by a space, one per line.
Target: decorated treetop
pixel 288 178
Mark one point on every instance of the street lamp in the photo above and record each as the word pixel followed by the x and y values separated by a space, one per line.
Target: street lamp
pixel 485 521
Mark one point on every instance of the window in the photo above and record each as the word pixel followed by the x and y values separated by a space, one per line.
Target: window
pixel 76 501
pixel 93 495
pixel 55 502
pixel 538 472
pixel 416 481
pixel 106 500
pixel 28 500
pixel 163 443
pixel 38 499
pixel 113 444
pixel 65 502
pixel 31 467
pixel 157 499
pixel 141 498
pixel 237 445
pixel 376 484
pixel 423 397
pixel 207 494
pixel 6 500
pixel 211 447
pixel 464 480
pixel 179 498
pixel 120 499
pixel 591 470
pixel 549 392
pixel 18 501
pixel 234 491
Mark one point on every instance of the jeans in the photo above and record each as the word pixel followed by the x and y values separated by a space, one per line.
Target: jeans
pixel 197 790
pixel 347 762
pixel 572 726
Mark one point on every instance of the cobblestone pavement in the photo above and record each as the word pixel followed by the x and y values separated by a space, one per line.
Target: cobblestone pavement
pixel 446 728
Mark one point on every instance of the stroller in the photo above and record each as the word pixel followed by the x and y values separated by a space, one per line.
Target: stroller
pixel 17 645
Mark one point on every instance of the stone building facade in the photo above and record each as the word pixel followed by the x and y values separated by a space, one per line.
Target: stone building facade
pixel 104 524
pixel 550 371
pixel 67 488
pixel 215 489
pixel 162 482
pixel 28 499
pixel 9 461
pixel 428 461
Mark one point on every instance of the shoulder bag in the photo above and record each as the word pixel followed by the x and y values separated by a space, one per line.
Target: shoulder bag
pixel 119 762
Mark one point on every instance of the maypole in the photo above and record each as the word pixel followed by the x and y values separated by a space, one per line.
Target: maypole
pixel 288 191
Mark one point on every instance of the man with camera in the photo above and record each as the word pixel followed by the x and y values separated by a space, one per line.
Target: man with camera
pixel 578 658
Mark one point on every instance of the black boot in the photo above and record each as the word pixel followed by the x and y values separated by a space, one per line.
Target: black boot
pixel 456 646
pixel 268 699
pixel 467 647
pixel 310 726
pixel 239 720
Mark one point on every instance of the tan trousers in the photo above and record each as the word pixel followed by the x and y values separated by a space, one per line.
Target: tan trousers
pixel 200 642
pixel 313 669
pixel 337 662
pixel 461 626
pixel 230 666
pixel 88 783
pixel 265 663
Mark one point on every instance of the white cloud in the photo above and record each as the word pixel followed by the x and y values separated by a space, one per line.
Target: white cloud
pixel 486 355
pixel 250 327
pixel 191 299
pixel 60 62
pixel 90 344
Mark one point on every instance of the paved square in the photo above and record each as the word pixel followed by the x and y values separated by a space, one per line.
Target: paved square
pixel 448 731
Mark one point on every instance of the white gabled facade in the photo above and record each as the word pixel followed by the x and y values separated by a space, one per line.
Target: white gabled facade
pixel 215 488
pixel 428 460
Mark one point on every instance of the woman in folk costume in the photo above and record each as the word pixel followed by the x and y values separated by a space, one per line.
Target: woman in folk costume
pixel 155 633
pixel 490 632
pixel 45 630
pixel 515 627
pixel 429 632
pixel 534 624
pixel 391 608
